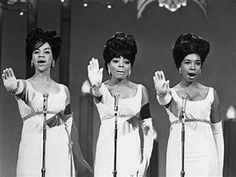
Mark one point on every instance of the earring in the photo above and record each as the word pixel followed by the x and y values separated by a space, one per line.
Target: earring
pixel 109 71
pixel 53 63
pixel 31 64
pixel 129 73
pixel 180 70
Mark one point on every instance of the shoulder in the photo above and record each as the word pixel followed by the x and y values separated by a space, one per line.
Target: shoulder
pixel 63 86
pixel 66 89
pixel 144 93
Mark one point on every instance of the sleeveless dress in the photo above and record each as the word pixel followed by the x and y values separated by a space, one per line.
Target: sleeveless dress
pixel 200 149
pixel 128 142
pixel 57 157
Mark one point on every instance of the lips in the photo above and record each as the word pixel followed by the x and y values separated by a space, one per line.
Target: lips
pixel 120 72
pixel 41 61
pixel 191 74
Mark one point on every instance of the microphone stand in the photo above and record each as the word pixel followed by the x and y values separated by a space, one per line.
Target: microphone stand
pixel 45 107
pixel 182 118
pixel 116 98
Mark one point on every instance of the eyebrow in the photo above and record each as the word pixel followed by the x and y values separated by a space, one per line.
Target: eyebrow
pixel 47 48
pixel 191 60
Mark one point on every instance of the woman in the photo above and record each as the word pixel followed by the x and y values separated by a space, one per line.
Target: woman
pixel 134 124
pixel 200 112
pixel 42 49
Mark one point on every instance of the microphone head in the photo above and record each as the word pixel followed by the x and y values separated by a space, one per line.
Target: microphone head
pixel 116 95
pixel 45 95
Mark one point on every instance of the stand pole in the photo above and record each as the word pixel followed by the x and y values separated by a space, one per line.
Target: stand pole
pixel 182 117
pixel 45 102
pixel 116 98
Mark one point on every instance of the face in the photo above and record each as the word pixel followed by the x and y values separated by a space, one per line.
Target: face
pixel 42 57
pixel 191 67
pixel 120 68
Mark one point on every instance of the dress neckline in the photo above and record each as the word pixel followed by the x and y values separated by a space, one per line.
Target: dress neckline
pixel 207 95
pixel 137 90
pixel 44 93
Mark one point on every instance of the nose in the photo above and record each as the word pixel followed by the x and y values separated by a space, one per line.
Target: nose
pixel 193 66
pixel 41 54
pixel 121 63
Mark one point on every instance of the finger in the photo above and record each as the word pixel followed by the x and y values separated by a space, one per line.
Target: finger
pixel 168 85
pixel 157 75
pixel 7 73
pixel 11 73
pixel 96 64
pixel 88 68
pixel 155 80
pixel 3 76
pixel 163 75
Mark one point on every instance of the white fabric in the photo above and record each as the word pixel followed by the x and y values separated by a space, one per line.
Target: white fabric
pixel 218 136
pixel 57 157
pixel 200 149
pixel 129 143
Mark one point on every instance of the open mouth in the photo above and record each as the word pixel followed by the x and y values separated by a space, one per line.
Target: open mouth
pixel 41 61
pixel 191 74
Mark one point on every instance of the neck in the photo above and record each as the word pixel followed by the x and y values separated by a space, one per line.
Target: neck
pixel 42 76
pixel 115 81
pixel 183 83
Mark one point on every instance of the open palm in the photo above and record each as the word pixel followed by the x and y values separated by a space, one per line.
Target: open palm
pixel 94 73
pixel 9 79
pixel 161 85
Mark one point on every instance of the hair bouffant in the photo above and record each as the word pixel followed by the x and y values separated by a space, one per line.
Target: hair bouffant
pixel 120 44
pixel 37 37
pixel 189 43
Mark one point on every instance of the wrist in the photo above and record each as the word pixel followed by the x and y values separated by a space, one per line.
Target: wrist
pixel 96 85
pixel 164 99
pixel 15 91
pixel 95 89
pixel 161 94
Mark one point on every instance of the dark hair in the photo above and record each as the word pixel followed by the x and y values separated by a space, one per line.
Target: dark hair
pixel 189 43
pixel 37 37
pixel 120 44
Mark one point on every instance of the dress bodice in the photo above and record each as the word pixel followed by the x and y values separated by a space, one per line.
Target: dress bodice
pixel 127 107
pixel 33 101
pixel 194 109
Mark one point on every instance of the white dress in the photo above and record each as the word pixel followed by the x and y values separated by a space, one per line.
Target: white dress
pixel 200 149
pixel 129 140
pixel 57 157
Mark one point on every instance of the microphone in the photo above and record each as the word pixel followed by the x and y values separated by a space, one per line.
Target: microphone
pixel 116 102
pixel 183 109
pixel 45 104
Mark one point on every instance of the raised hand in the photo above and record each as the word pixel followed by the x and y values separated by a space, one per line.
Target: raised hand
pixel 161 85
pixel 9 79
pixel 94 73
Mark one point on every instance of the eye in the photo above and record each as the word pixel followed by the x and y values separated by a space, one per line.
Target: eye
pixel 36 52
pixel 187 62
pixel 47 52
pixel 115 60
pixel 198 63
pixel 126 62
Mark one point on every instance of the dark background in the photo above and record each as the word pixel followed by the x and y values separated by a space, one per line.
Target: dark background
pixel 155 33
